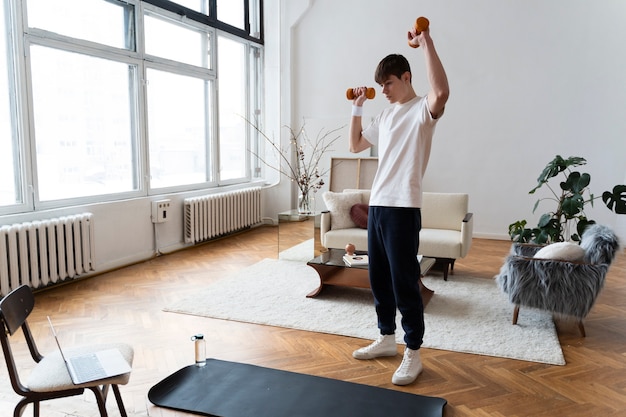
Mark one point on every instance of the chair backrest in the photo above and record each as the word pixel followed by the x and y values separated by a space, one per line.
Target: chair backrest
pixel 15 308
pixel 365 194
pixel 600 244
pixel 444 210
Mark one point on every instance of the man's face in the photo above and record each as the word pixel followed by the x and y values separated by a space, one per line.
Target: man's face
pixel 395 89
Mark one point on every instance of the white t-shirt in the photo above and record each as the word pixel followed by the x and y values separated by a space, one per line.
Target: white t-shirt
pixel 404 134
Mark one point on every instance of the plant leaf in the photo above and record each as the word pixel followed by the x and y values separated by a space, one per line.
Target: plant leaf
pixel 576 182
pixel 542 238
pixel 536 204
pixel 556 166
pixel 516 229
pixel 616 201
pixel 544 220
pixel 583 223
pixel 573 205
pixel 550 229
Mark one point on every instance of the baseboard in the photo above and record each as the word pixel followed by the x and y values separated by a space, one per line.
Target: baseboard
pixel 491 236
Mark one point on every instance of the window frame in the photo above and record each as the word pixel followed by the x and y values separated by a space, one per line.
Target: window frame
pixel 213 20
pixel 246 105
pixel 18 112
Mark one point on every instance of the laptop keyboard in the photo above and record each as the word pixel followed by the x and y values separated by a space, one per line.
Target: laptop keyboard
pixel 87 367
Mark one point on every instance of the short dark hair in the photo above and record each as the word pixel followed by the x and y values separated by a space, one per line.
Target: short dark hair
pixel 393 64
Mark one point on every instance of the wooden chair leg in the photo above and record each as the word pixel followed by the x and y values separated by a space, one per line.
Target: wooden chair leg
pixel 21 406
pixel 581 327
pixel 101 395
pixel 447 265
pixel 118 398
pixel 515 314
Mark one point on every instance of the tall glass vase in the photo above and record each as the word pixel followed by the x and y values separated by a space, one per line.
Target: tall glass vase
pixel 305 202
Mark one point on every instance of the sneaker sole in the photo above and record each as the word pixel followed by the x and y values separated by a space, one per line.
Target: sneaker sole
pixel 373 356
pixel 404 380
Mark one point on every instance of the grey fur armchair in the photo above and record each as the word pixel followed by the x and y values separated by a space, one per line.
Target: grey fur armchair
pixel 561 287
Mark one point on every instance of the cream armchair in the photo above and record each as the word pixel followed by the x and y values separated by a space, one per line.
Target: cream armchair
pixel 447 226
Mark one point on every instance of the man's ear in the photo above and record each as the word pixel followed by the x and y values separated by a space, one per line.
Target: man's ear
pixel 406 76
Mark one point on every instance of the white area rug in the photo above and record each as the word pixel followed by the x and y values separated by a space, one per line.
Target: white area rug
pixel 465 315
pixel 302 252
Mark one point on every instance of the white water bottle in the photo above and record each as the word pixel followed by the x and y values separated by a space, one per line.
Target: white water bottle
pixel 200 347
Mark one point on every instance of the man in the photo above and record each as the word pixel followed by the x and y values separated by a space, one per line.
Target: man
pixel 403 133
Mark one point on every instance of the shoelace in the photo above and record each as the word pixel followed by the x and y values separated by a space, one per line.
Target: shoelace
pixel 374 345
pixel 407 361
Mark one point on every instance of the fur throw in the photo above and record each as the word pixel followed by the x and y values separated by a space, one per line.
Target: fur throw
pixel 600 244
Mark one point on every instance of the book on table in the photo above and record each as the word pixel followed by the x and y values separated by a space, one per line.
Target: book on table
pixel 355 260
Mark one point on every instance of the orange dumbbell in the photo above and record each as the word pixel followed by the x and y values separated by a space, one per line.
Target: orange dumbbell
pixel 421 24
pixel 370 93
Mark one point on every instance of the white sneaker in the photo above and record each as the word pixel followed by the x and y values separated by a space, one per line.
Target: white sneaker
pixel 409 369
pixel 385 345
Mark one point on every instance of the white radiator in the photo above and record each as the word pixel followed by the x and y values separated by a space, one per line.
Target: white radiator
pixel 45 252
pixel 215 215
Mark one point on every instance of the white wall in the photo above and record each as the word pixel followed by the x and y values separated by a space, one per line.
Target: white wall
pixel 529 80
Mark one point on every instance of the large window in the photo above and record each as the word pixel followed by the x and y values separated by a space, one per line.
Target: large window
pixel 82 124
pixel 110 99
pixel 178 129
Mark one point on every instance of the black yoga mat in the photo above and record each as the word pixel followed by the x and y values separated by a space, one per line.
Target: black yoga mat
pixel 230 389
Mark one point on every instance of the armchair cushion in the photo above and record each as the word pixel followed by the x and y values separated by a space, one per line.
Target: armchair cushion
pixel 339 205
pixel 565 251
pixel 440 242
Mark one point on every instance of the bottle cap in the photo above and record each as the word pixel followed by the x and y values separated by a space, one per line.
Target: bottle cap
pixel 197 336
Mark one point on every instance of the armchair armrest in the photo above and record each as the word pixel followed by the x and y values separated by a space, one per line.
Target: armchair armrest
pixel 467 231
pixel 325 221
pixel 324 225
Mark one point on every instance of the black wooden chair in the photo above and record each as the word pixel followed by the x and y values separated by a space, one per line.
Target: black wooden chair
pixel 49 378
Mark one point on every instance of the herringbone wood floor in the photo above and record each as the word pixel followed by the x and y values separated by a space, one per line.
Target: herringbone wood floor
pixel 125 305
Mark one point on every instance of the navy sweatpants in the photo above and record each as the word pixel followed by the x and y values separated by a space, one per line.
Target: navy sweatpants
pixel 393 241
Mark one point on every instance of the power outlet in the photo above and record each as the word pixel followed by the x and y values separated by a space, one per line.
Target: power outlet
pixel 160 211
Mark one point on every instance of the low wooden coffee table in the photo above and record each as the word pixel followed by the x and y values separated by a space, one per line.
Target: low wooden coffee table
pixel 332 270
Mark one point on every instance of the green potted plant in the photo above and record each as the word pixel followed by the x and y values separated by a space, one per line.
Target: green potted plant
pixel 571 198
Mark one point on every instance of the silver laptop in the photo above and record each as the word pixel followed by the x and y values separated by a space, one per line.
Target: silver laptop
pixel 93 366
